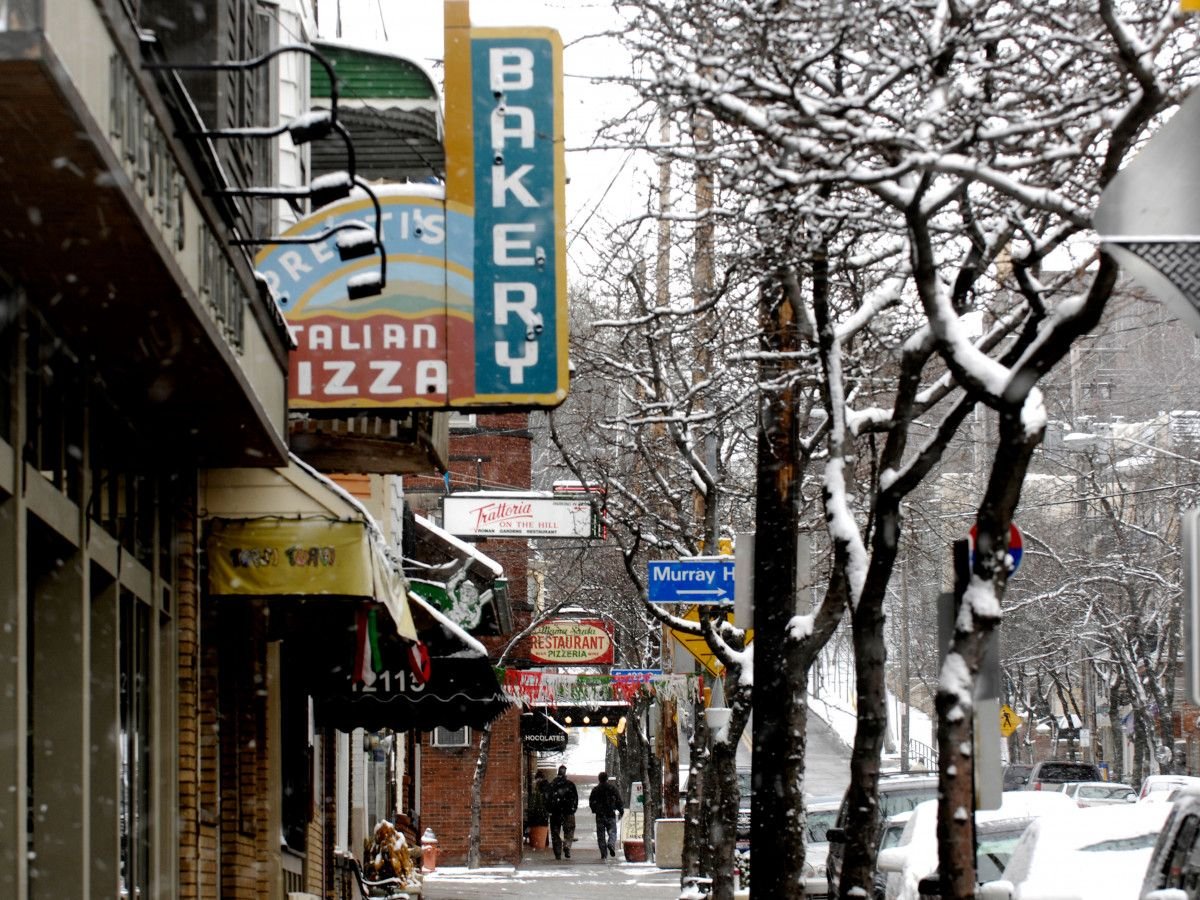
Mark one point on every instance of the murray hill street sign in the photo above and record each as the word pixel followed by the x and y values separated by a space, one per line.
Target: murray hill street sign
pixel 701 579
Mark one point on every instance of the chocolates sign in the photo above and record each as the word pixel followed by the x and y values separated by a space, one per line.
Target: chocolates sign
pixel 541 734
pixel 572 642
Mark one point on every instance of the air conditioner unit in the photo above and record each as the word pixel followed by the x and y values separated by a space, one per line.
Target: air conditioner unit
pixel 452 737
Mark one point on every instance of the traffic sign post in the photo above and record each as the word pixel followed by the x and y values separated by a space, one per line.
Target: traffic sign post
pixel 701 579
pixel 1016 546
pixel 1009 721
pixel 697 646
pixel 1191 599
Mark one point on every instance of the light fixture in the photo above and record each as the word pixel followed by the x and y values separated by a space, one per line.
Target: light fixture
pixel 313 126
pixel 587 720
pixel 325 189
pixel 567 719
pixel 621 725
pixel 604 720
pixel 356 239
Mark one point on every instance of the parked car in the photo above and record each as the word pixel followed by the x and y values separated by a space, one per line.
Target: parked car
pixel 915 856
pixel 893 829
pixel 1051 774
pixel 1016 776
pixel 897 793
pixel 821 815
pixel 1099 853
pixel 1099 793
pixel 1159 788
pixel 1173 872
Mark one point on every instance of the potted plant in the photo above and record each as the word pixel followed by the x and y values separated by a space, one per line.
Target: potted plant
pixel 537 819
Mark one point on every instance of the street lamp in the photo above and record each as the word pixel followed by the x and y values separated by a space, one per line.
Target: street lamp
pixel 356 239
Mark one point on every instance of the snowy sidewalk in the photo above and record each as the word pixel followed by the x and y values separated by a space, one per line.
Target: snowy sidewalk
pixel 583 877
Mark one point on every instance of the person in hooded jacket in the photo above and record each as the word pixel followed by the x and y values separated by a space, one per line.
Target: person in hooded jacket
pixel 605 803
pixel 562 799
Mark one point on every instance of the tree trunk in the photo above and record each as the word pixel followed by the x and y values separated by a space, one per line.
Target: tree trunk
pixel 473 838
pixel 694 831
pixel 956 761
pixel 778 804
pixel 722 806
pixel 1117 730
pixel 870 657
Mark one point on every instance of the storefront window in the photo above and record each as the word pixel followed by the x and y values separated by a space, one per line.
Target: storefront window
pixel 136 758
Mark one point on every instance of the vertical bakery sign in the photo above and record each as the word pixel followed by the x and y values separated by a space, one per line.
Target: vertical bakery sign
pixel 474 312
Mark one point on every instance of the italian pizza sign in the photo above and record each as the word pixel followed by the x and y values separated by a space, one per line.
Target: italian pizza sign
pixel 572 642
pixel 473 312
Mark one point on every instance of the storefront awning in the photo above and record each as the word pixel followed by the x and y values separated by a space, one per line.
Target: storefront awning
pixel 461 689
pixel 291 532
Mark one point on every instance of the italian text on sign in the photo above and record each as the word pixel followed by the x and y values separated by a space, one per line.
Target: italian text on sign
pixel 697 580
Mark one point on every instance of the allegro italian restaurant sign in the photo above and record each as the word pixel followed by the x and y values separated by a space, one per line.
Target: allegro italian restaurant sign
pixel 572 642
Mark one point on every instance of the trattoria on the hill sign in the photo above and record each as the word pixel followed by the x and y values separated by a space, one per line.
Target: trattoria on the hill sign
pixel 572 642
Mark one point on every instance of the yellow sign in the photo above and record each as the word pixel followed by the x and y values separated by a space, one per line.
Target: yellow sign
pixel 1009 720
pixel 698 647
pixel 1189 5
pixel 272 557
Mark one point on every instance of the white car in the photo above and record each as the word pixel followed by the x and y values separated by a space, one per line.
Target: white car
pixel 1159 788
pixel 821 816
pixel 1100 853
pixel 997 830
pixel 1174 869
pixel 1099 793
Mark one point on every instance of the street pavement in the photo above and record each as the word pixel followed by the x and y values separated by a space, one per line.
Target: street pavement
pixel 585 877
pixel 827 762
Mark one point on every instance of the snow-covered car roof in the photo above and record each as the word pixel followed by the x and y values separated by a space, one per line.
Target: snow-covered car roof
pixel 1157 788
pixel 1090 854
pixel 919 840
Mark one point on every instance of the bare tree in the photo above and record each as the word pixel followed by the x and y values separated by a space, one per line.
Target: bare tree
pixel 905 167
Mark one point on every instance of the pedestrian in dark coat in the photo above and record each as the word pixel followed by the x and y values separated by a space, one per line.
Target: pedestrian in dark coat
pixel 562 798
pixel 605 803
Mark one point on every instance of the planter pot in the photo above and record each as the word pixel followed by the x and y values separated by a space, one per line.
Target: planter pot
pixel 539 836
pixel 635 851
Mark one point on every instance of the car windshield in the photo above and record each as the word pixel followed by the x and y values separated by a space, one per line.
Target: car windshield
pixel 819 822
pixel 1065 772
pixel 1157 787
pixel 892 802
pixel 994 851
pixel 891 836
pixel 1104 792
pixel 1137 842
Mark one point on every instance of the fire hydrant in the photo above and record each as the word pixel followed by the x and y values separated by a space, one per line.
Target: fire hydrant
pixel 429 851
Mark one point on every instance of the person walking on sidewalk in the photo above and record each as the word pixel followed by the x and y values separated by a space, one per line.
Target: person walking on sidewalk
pixel 562 797
pixel 605 803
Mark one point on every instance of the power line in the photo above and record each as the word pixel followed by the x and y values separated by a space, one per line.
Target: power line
pixel 1073 500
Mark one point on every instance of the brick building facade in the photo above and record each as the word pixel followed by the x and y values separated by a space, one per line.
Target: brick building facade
pixel 486 452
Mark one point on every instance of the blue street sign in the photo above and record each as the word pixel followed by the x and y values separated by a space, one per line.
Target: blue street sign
pixel 697 580
pixel 634 673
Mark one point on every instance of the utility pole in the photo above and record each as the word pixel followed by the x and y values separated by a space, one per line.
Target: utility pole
pixel 668 731
pixel 905 697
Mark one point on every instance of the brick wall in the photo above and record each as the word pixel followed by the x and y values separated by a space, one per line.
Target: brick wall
pixel 188 631
pixel 496 455
pixel 446 776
